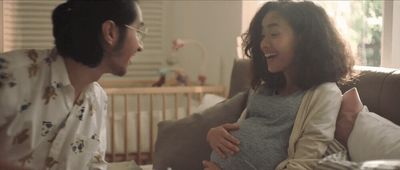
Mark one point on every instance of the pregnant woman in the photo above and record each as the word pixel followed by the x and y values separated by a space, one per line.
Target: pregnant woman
pixel 297 58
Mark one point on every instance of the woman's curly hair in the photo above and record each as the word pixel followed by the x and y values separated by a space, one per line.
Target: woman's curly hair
pixel 320 53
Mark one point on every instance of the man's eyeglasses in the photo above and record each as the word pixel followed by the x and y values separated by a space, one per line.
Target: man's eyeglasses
pixel 140 33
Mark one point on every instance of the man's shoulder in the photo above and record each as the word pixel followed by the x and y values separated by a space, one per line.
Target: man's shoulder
pixel 23 57
pixel 98 90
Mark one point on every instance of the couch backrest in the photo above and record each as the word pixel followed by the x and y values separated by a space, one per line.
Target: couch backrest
pixel 379 88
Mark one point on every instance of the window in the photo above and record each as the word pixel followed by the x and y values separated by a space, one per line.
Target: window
pixel 360 23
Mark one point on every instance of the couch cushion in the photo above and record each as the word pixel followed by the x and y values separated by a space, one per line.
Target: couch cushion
pixel 389 106
pixel 351 105
pixel 241 77
pixel 339 161
pixel 379 90
pixel 376 135
pixel 182 144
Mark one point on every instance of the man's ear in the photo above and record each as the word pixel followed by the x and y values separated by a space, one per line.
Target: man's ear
pixel 110 32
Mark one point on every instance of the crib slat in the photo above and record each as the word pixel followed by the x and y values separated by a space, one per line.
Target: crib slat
pixel 172 94
pixel 201 96
pixel 189 104
pixel 176 105
pixel 126 127
pixel 151 126
pixel 112 128
pixel 166 90
pixel 198 97
pixel 163 107
pixel 138 131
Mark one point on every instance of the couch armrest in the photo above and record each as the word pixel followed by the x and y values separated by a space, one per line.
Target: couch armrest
pixel 181 144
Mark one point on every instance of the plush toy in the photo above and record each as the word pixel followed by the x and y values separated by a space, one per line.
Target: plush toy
pixel 160 81
pixel 180 77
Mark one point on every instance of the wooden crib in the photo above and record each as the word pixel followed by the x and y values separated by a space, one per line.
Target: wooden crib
pixel 134 110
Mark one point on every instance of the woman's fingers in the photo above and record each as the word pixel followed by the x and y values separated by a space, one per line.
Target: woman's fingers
pixel 230 126
pixel 219 152
pixel 231 146
pixel 231 138
pixel 226 150
pixel 221 141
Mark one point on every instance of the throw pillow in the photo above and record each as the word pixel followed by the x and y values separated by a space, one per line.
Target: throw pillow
pixel 373 137
pixel 351 105
pixel 381 164
pixel 182 144
pixel 207 101
pixel 338 161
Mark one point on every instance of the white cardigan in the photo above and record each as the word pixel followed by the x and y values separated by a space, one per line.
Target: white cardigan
pixel 313 128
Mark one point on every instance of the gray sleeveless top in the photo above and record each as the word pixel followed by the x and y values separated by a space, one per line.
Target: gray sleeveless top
pixel 264 134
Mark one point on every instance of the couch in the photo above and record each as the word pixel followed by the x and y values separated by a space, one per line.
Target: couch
pixel 182 144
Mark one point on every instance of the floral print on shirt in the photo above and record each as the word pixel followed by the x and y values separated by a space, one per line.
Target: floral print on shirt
pixel 38 114
pixel 6 78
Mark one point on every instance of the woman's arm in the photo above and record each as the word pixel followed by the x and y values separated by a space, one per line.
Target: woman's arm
pixel 314 127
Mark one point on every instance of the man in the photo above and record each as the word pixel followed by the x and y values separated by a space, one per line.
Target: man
pixel 53 112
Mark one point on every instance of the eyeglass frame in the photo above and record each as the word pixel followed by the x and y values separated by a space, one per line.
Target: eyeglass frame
pixel 140 33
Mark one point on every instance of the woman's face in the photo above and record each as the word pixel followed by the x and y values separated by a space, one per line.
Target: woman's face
pixel 278 43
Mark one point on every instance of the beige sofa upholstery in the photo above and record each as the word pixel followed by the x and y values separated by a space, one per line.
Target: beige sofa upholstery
pixel 182 144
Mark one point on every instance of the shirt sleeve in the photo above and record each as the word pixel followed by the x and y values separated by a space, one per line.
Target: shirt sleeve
pixel 98 161
pixel 9 92
pixel 318 129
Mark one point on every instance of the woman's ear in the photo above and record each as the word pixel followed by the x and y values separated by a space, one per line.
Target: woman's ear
pixel 110 33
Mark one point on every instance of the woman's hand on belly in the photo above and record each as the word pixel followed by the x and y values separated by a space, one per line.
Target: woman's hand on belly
pixel 221 141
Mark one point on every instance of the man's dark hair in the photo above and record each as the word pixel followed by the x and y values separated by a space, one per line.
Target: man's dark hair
pixel 77 27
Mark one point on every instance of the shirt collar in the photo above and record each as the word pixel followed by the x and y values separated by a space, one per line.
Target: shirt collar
pixel 59 74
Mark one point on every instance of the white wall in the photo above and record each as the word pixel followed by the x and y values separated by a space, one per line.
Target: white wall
pixel 1 26
pixel 216 24
pixel 249 12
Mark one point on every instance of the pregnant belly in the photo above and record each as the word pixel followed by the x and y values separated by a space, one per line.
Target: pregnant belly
pixel 253 135
pixel 261 144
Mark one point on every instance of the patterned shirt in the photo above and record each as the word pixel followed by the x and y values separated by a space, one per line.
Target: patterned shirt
pixel 41 127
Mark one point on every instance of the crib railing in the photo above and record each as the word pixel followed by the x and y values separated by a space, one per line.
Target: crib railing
pixel 132 102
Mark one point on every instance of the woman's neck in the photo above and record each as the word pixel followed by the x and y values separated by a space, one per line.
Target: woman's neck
pixel 289 88
pixel 80 75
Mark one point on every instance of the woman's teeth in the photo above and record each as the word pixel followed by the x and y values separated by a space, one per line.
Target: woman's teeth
pixel 269 55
